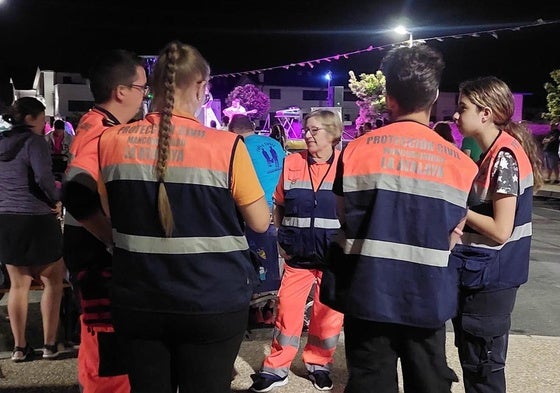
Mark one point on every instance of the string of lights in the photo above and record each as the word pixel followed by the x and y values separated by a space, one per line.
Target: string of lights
pixel 311 63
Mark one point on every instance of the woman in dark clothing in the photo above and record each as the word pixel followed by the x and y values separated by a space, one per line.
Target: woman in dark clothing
pixel 30 234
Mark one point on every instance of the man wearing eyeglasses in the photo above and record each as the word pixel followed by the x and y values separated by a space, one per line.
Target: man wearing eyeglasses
pixel 119 86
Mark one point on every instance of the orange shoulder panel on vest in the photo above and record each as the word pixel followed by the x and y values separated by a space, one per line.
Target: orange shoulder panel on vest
pixel 84 147
pixel 190 144
pixel 409 149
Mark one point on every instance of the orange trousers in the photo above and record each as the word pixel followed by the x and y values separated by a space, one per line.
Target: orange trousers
pixel 324 328
pixel 88 364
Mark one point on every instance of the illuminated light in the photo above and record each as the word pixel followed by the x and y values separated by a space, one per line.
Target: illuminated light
pixel 389 46
pixel 403 30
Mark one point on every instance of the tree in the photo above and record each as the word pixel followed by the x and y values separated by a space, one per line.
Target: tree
pixel 553 98
pixel 370 91
pixel 251 97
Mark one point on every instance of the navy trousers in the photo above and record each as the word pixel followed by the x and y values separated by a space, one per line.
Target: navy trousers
pixel 481 336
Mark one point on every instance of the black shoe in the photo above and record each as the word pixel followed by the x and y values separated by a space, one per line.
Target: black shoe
pixel 21 354
pixel 264 382
pixel 321 380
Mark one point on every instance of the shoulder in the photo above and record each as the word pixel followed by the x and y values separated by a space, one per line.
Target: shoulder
pixel 296 157
pixel 38 142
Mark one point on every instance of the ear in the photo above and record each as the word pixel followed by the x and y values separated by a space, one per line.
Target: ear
pixel 120 92
pixel 485 114
pixel 392 104
pixel 201 91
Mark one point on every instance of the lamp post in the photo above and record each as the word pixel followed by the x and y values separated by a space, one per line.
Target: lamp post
pixel 328 77
pixel 402 30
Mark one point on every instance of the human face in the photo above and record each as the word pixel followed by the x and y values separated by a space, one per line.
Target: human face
pixel 145 89
pixel 468 117
pixel 137 93
pixel 203 95
pixel 317 139
pixel 37 124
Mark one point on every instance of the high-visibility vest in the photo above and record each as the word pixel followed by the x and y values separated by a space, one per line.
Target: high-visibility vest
pixel 405 189
pixel 509 265
pixel 310 220
pixel 204 267
pixel 84 254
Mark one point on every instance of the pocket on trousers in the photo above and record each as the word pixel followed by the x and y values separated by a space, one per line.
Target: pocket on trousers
pixel 111 359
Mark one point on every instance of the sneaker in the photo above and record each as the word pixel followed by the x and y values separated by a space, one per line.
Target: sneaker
pixel 51 351
pixel 21 354
pixel 264 382
pixel 321 380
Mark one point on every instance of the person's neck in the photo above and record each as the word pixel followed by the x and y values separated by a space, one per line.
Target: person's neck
pixel 113 109
pixel 419 117
pixel 486 138
pixel 323 155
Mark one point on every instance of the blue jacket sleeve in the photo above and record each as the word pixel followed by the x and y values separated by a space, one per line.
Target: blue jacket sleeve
pixel 40 162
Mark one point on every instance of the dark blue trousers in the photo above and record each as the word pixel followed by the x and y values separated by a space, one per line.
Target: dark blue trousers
pixel 481 336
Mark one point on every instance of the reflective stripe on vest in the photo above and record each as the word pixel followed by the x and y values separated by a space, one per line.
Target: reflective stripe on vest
pixel 405 189
pixel 179 245
pixel 511 268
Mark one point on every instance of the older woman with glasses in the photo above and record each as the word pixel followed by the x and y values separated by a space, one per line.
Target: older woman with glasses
pixel 305 215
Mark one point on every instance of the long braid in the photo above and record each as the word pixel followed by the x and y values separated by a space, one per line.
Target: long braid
pixel 164 207
pixel 178 68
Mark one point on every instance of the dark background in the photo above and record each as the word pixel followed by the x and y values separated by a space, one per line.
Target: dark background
pixel 243 36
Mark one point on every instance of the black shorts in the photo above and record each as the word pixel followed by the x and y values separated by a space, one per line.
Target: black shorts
pixel 30 240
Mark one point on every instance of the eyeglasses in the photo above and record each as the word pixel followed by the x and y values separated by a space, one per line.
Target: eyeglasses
pixel 145 89
pixel 313 131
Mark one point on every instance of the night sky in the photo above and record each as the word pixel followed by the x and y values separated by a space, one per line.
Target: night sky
pixel 239 37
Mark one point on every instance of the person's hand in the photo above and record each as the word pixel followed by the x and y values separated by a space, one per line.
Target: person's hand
pixel 57 209
pixel 283 254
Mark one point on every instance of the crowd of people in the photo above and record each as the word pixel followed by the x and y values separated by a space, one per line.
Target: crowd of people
pixel 164 236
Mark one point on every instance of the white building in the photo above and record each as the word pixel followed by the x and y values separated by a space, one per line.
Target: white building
pixel 64 94
pixel 68 94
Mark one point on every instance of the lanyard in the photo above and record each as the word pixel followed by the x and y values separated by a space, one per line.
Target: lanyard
pixel 330 161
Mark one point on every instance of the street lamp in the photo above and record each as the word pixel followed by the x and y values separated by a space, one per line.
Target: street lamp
pixel 328 77
pixel 402 30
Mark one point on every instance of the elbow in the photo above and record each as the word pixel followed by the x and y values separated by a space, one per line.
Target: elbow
pixel 261 227
pixel 501 238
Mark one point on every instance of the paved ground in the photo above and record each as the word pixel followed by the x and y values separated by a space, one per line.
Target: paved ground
pixel 533 360
pixel 531 368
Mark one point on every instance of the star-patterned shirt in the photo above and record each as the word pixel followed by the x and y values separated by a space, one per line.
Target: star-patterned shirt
pixel 505 175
